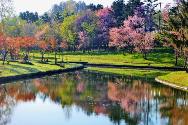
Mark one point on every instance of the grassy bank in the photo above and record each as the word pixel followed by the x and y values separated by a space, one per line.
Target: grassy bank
pixel 153 59
pixel 177 78
pixel 16 68
pixel 130 72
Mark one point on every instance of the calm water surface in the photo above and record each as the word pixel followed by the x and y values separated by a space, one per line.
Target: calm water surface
pixel 88 98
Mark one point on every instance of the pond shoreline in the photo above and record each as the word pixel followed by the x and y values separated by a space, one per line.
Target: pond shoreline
pixel 130 66
pixel 6 79
pixel 184 88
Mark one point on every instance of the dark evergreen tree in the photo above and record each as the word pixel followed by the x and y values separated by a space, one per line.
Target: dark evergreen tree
pixel 121 11
pixel 30 17
pixel 93 7
pixel 58 17
pixel 46 18
pixel 118 8
pixel 131 6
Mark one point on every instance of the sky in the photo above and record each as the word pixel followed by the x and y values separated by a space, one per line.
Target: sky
pixel 40 6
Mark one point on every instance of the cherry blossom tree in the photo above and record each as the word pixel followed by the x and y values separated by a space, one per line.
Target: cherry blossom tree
pixel 105 22
pixel 86 25
pixel 132 35
pixel 4 47
pixel 9 45
pixel 63 46
pixel 83 41
pixel 43 48
pixel 54 46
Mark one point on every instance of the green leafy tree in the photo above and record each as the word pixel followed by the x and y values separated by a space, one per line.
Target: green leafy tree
pixel 67 29
pixel 6 10
pixel 13 26
pixel 175 29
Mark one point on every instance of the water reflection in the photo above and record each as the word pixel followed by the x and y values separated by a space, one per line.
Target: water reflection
pixel 91 98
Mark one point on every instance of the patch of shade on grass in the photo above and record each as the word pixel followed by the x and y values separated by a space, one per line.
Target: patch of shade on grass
pixel 130 72
pixel 16 68
pixel 178 78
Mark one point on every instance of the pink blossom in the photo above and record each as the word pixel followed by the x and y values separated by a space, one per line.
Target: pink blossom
pixel 132 34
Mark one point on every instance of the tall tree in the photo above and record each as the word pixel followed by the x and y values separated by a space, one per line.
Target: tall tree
pixel 149 7
pixel 132 35
pixel 46 18
pixel 13 26
pixel 118 8
pixel 131 6
pixel 30 17
pixel 6 10
pixel 29 29
pixel 122 11
pixel 87 24
pixel 68 32
pixel 93 7
pixel 105 22
pixel 175 29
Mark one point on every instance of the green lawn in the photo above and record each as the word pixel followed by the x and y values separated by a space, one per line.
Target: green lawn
pixel 178 78
pixel 16 68
pixel 130 72
pixel 120 59
pixel 154 59
pixel 161 57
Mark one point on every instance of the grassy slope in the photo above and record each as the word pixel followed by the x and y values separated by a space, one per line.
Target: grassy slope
pixel 178 78
pixel 157 58
pixel 154 59
pixel 131 72
pixel 15 68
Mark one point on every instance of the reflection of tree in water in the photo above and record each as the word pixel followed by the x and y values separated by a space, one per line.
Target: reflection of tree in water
pixel 175 107
pixel 6 105
pixel 67 110
pixel 90 93
pixel 131 97
pixel 122 99
pixel 126 96
pixel 10 94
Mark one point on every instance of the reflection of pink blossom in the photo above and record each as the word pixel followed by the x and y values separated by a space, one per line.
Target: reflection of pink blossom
pixel 99 109
pixel 128 97
pixel 129 105
pixel 80 87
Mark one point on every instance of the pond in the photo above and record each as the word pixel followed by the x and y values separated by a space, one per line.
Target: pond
pixel 91 98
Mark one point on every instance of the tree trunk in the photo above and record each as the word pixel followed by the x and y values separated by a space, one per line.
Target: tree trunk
pixel 176 54
pixel 176 63
pixel 11 56
pixel 186 65
pixel 62 58
pixel 55 57
pixel 4 57
pixel 145 55
pixel 42 58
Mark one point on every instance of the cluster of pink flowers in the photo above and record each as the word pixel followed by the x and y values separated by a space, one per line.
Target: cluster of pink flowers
pixel 132 33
